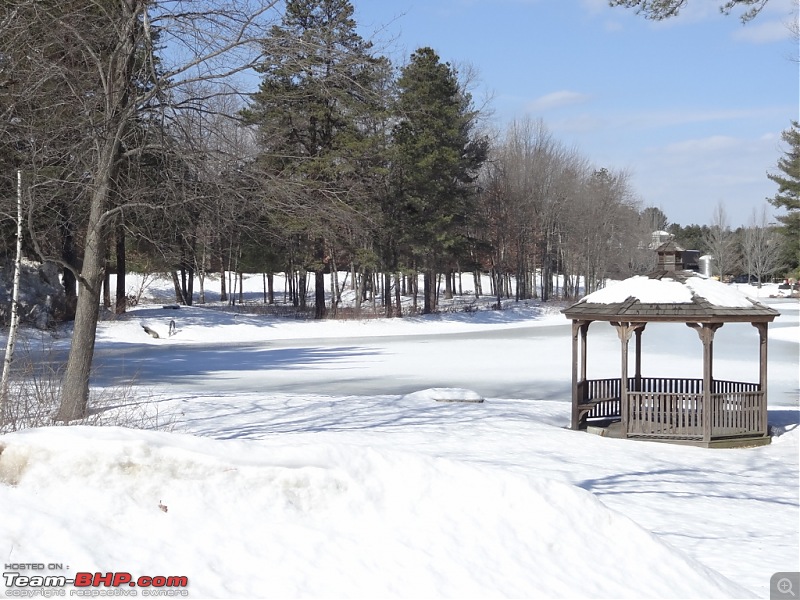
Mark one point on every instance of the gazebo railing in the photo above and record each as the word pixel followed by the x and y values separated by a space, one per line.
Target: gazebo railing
pixel 737 412
pixel 665 415
pixel 661 407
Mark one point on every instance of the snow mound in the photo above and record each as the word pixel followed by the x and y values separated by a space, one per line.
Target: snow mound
pixel 444 394
pixel 280 518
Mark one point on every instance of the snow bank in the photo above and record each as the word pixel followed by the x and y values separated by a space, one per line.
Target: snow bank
pixel 281 519
pixel 443 395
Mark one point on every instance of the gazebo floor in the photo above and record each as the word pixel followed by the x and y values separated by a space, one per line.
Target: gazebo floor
pixel 614 429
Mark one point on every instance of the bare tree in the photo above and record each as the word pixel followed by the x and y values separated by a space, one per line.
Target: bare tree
pixel 720 241
pixel 12 329
pixel 101 57
pixel 761 246
pixel 604 228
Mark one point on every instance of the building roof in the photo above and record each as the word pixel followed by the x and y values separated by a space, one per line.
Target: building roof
pixel 679 296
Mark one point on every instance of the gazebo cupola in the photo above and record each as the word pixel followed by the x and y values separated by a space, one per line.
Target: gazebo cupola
pixel 670 257
pixel 705 412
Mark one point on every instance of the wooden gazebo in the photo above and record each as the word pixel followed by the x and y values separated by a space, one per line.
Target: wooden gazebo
pixel 703 412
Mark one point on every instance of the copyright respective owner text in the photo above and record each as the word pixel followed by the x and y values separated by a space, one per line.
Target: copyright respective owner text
pixel 49 580
pixel 785 586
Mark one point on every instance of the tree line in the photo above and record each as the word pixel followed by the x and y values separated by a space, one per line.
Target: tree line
pixel 141 148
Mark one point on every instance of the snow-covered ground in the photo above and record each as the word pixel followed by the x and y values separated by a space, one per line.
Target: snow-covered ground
pixel 321 459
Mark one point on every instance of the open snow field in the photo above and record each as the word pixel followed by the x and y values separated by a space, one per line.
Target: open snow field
pixel 312 459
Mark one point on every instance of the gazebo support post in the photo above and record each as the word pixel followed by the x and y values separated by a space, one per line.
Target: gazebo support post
pixel 638 374
pixel 624 331
pixel 706 333
pixel 762 373
pixel 578 377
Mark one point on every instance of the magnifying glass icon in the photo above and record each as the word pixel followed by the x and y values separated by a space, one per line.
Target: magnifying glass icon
pixel 785 587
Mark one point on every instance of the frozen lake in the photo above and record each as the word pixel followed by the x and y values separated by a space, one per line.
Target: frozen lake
pixel 527 360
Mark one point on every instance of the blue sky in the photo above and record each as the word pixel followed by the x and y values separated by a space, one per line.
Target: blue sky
pixel 692 108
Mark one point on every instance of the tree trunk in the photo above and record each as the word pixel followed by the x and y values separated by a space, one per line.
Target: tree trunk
pixel 223 293
pixel 177 285
pixel 428 292
pixel 414 290
pixel 200 268
pixel 12 328
pixel 70 257
pixel 497 283
pixel 320 310
pixel 358 279
pixel 302 288
pixel 106 287
pixel 75 388
pixel 122 298
pixel 231 284
pixel 399 304
pixel 190 288
pixel 387 294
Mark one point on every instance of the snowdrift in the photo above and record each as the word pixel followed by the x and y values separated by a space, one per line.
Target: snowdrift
pixel 284 517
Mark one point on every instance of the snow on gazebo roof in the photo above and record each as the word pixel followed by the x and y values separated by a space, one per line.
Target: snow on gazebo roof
pixel 669 296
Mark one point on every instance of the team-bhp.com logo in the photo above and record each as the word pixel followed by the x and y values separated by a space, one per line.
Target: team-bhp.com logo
pixel 92 584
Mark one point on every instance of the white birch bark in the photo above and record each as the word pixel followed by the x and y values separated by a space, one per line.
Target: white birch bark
pixel 12 330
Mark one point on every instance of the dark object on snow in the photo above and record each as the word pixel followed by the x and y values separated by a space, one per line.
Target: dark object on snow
pixel 172 306
pixel 172 329
pixel 42 301
pixel 150 331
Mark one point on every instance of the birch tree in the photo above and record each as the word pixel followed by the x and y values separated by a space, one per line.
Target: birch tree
pixel 12 328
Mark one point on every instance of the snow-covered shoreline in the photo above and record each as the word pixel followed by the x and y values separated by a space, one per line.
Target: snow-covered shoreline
pixel 281 476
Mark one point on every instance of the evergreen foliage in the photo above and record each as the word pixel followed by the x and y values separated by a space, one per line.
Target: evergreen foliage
pixel 659 10
pixel 320 90
pixel 788 195
pixel 436 161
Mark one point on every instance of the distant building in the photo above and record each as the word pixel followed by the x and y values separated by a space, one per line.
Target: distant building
pixel 658 238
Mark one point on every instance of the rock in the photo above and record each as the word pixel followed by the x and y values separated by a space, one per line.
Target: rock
pixel 42 301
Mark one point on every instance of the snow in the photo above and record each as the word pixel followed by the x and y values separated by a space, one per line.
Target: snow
pixel 669 291
pixel 305 460
pixel 443 395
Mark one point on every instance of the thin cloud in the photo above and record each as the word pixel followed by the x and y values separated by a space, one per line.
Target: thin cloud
pixel 558 99
pixel 763 33
pixel 612 26
pixel 595 6
pixel 650 120
pixel 713 144
pixel 591 122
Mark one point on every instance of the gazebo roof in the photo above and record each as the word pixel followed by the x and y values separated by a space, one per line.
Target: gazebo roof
pixel 672 296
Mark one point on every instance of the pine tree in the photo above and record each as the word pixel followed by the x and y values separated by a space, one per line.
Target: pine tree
pixel 320 86
pixel 658 10
pixel 788 195
pixel 436 163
